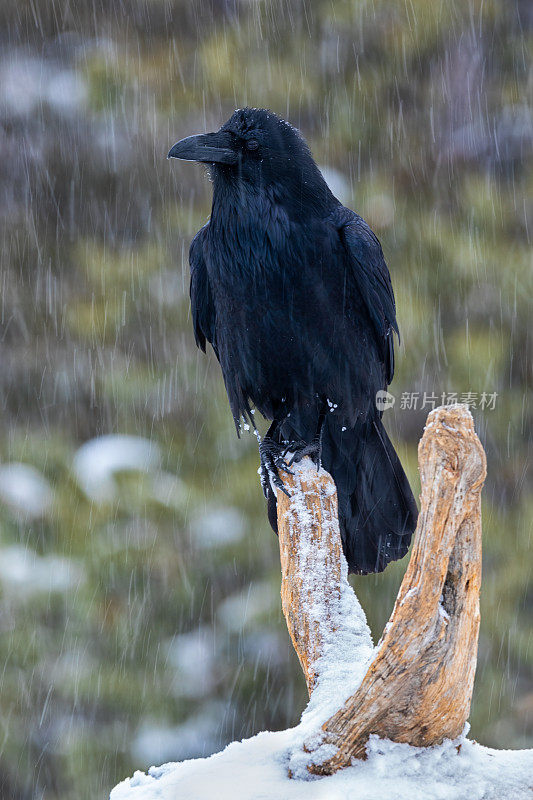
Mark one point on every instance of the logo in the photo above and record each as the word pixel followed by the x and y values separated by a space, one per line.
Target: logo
pixel 384 400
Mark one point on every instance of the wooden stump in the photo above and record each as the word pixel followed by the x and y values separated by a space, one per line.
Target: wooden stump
pixel 418 686
pixel 310 552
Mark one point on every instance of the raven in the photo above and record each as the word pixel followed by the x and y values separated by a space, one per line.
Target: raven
pixel 291 290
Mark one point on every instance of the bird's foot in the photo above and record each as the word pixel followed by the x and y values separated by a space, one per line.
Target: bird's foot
pixel 272 461
pixel 301 449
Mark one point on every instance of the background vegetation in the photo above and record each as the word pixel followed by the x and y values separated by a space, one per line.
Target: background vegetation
pixel 139 608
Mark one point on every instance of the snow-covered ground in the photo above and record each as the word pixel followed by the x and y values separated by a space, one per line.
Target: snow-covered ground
pixel 257 769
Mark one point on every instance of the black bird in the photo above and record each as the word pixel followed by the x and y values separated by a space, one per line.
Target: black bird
pixel 292 291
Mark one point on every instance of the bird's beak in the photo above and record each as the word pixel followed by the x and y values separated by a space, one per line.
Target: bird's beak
pixel 212 148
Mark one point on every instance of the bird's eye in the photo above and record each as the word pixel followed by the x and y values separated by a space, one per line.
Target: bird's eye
pixel 252 144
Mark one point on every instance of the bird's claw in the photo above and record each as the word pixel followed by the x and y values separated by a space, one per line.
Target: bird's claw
pixel 272 460
pixel 301 449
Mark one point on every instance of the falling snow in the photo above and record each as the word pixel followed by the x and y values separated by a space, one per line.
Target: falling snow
pixel 139 581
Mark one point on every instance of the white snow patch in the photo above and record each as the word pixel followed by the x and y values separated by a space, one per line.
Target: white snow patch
pixel 242 609
pixel 26 83
pixel 97 461
pixel 219 526
pixel 196 736
pixel 338 184
pixel 413 591
pixel 169 490
pixel 193 655
pixel 24 572
pixel 265 647
pixel 24 490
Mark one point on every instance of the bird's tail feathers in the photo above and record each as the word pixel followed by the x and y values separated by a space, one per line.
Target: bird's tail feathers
pixel 377 510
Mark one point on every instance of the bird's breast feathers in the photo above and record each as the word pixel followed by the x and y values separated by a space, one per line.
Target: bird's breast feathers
pixel 261 246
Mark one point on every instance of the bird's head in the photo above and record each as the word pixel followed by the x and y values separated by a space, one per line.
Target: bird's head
pixel 257 148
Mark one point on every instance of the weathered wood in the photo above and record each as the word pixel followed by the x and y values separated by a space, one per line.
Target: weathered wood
pixel 310 552
pixel 418 687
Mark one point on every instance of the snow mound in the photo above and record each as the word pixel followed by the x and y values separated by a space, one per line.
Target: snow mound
pixel 258 768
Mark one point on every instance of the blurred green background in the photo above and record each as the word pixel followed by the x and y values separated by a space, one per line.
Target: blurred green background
pixel 140 616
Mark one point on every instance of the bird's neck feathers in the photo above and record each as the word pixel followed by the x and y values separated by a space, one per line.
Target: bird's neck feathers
pixel 296 196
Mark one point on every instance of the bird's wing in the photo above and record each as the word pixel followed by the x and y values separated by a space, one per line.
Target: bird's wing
pixel 372 278
pixel 202 308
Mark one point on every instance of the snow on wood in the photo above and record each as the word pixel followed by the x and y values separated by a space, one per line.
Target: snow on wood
pixel 325 620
